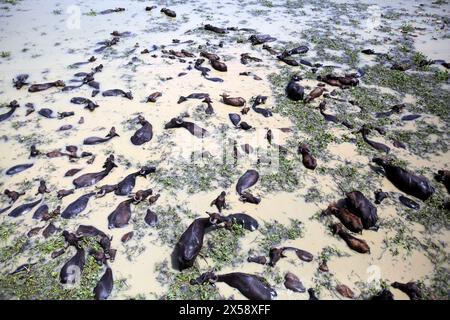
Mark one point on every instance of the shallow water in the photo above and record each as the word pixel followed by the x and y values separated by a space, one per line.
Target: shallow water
pixel 44 38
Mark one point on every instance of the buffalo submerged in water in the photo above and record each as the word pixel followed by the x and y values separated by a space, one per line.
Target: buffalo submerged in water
pixel 406 181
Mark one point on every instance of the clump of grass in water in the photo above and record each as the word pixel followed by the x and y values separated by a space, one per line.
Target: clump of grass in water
pixel 419 142
pixel 323 280
pixel 274 233
pixel 402 241
pixel 42 282
pixel 266 3
pixel 437 287
pixel 91 13
pixel 371 100
pixel 441 75
pixel 7 229
pixel 306 121
pixel 273 274
pixel 329 252
pixel 370 289
pixel 13 2
pixel 432 214
pixel 198 175
pixel 222 246
pixel 11 252
pixel 48 246
pixel 285 178
pixel 179 287
pixel 313 195
pixel 348 177
pixel 407 28
pixel 423 86
pixel 418 59
pixel 170 223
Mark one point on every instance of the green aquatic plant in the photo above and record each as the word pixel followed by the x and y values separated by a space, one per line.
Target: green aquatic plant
pixel 369 289
pixel 407 28
pixel 222 246
pixel 266 3
pixel 274 233
pixel 419 141
pixel 432 213
pixel 12 2
pixel 42 282
pixel 330 252
pixel 441 75
pixel 91 13
pixel 170 224
pixel 402 241
pixel 7 229
pixel 179 287
pixel 11 252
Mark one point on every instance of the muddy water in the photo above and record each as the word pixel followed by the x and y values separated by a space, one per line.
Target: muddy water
pixel 45 38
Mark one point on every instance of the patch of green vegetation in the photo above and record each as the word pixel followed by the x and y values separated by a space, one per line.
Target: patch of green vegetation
pixel 273 274
pixel 179 287
pixel 394 79
pixel 25 184
pixel 266 3
pixel 91 13
pixel 430 96
pixel 323 281
pixel 31 139
pixel 202 174
pixel 349 177
pixel 370 289
pixel 351 57
pixel 437 288
pixel 5 54
pixel 313 195
pixel 7 229
pixel 222 246
pixel 418 59
pixel 13 2
pixel 439 2
pixel 441 75
pixel 305 119
pixel 329 252
pixel 274 233
pixel 391 14
pixel 259 12
pixel 432 214
pixel 325 40
pixel 170 224
pixel 285 177
pixel 42 282
pixel 407 28
pixel 50 245
pixel 11 252
pixel 419 141
pixel 57 12
pixel 402 240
